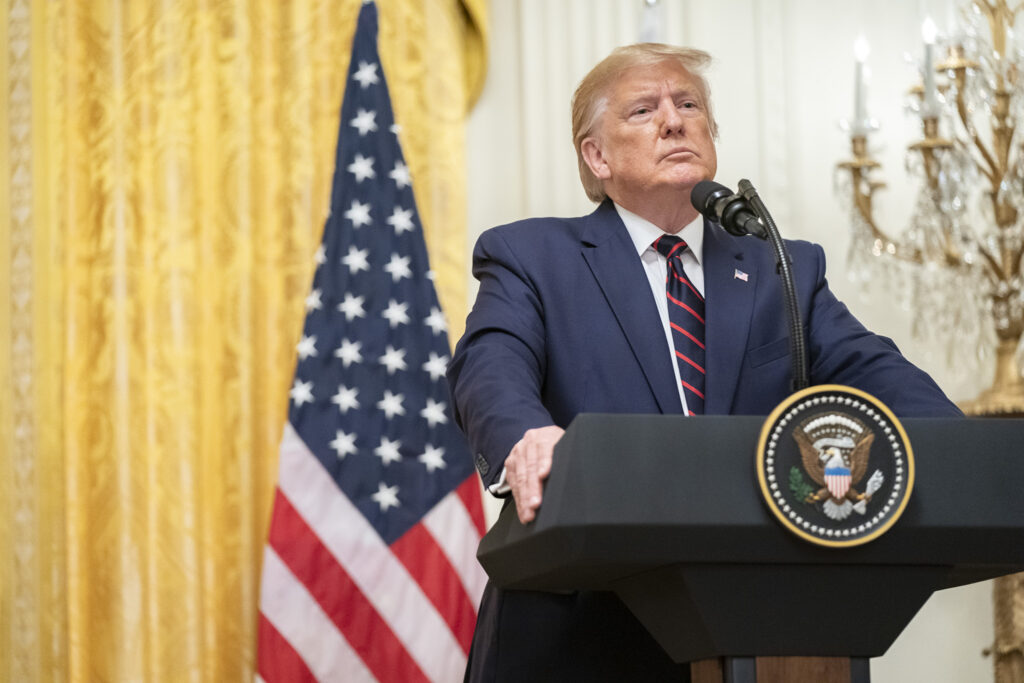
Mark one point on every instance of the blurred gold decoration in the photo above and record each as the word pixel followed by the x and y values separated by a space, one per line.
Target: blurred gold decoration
pixel 958 264
pixel 168 170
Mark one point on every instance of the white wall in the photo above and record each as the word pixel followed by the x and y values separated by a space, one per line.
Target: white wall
pixel 782 79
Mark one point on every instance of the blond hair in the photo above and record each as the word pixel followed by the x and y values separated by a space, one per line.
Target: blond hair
pixel 591 96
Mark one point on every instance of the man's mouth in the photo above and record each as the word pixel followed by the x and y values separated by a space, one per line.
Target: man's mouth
pixel 679 152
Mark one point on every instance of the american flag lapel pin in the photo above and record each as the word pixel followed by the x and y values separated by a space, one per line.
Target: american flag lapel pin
pixel 739 275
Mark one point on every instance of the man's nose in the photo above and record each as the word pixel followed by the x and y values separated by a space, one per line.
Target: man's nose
pixel 671 119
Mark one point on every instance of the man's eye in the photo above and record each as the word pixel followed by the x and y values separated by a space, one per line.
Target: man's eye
pixel 641 111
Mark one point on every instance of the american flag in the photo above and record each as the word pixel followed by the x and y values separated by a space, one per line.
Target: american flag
pixel 370 570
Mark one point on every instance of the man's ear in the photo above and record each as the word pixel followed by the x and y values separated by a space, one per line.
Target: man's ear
pixel 590 148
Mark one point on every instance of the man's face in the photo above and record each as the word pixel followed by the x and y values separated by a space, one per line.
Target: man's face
pixel 654 135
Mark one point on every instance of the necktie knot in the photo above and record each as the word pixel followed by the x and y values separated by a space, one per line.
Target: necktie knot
pixel 670 246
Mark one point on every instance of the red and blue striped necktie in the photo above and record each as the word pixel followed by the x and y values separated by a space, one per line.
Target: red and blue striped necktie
pixel 686 318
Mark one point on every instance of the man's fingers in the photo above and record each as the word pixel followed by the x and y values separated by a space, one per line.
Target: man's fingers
pixel 531 485
pixel 528 464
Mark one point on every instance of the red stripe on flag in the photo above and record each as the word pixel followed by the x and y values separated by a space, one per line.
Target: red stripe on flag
pixel 278 660
pixel 691 388
pixel 429 566
pixel 469 492
pixel 688 284
pixel 680 330
pixel 341 599
pixel 699 368
pixel 677 302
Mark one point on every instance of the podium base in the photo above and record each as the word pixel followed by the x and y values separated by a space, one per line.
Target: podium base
pixel 781 670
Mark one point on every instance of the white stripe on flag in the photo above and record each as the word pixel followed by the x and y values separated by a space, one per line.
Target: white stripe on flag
pixel 286 604
pixel 453 529
pixel 383 580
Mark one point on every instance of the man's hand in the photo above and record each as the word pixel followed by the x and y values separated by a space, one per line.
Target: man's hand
pixel 527 465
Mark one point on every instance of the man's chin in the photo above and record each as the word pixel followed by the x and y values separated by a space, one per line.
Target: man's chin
pixel 687 181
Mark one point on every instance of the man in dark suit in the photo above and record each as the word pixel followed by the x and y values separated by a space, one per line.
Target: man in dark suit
pixel 571 316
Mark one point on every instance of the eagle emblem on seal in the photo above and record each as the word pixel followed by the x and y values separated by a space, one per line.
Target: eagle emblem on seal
pixel 834 449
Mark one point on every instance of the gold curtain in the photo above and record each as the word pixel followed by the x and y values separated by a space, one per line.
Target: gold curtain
pixel 167 175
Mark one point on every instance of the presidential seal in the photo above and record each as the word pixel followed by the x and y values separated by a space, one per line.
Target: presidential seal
pixel 835 466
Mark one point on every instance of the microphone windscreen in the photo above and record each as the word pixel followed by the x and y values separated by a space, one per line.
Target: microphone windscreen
pixel 705 194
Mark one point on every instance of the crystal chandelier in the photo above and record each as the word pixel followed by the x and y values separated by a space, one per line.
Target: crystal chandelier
pixel 958 261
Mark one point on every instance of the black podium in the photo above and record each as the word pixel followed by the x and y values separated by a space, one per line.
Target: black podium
pixel 666 512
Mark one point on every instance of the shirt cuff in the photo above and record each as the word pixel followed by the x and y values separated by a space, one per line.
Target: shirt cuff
pixel 500 488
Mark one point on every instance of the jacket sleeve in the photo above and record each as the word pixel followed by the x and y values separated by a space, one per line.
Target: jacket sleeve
pixel 497 371
pixel 843 351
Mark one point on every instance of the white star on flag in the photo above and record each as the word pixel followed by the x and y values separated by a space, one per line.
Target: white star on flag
pixel 391 404
pixel 436 366
pixel 364 122
pixel 343 444
pixel 398 267
pixel 358 213
pixel 313 302
pixel 362 168
pixel 386 497
pixel 387 451
pixel 396 314
pixel 306 347
pixel 352 307
pixel 393 359
pixel 356 259
pixel 433 458
pixel 434 412
pixel 302 392
pixel 400 175
pixel 401 219
pixel 320 257
pixel 349 353
pixel 366 75
pixel 436 320
pixel 345 398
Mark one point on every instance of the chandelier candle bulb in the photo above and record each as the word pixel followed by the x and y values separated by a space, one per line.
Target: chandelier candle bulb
pixel 859 126
pixel 930 104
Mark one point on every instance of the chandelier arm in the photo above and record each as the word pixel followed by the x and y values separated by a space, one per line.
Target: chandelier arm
pixel 995 269
pixel 979 144
pixel 862 201
pixel 985 170
pixel 951 255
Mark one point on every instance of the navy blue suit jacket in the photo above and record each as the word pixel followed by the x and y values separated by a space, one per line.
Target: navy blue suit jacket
pixel 564 323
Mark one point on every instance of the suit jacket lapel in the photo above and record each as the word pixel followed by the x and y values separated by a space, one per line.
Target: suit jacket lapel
pixel 729 298
pixel 612 259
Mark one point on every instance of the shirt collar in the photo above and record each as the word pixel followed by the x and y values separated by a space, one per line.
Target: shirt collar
pixel 643 232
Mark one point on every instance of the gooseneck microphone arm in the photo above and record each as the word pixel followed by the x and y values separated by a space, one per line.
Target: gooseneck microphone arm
pixel 784 266
pixel 733 212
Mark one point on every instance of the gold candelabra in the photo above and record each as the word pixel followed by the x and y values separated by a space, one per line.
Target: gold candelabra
pixel 961 258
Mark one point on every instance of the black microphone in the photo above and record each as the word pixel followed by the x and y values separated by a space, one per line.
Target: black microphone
pixel 736 213
pixel 723 206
